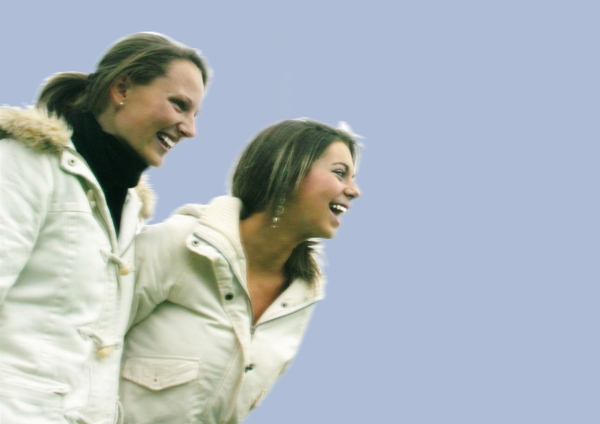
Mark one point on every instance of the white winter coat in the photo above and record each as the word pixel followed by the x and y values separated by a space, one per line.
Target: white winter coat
pixel 63 305
pixel 196 357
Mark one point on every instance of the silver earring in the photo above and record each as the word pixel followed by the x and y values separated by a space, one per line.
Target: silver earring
pixel 121 104
pixel 278 212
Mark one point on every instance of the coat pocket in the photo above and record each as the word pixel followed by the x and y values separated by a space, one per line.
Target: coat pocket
pixel 160 372
pixel 27 399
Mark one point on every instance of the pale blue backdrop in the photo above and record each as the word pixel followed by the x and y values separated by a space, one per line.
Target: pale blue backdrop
pixel 464 285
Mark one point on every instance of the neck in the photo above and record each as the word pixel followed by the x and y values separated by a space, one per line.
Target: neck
pixel 115 164
pixel 106 119
pixel 267 249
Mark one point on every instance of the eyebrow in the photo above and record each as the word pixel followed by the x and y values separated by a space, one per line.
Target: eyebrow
pixel 347 168
pixel 188 102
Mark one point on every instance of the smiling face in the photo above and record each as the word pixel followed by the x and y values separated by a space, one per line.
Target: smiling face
pixel 324 194
pixel 153 118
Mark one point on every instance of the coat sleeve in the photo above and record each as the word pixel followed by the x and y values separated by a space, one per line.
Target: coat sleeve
pixel 160 258
pixel 26 182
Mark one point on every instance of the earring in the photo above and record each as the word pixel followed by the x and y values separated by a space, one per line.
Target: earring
pixel 278 212
pixel 121 104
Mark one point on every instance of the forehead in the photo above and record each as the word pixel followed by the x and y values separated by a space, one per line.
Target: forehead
pixel 336 152
pixel 182 77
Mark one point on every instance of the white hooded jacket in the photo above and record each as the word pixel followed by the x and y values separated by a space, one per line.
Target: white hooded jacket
pixel 65 279
pixel 193 355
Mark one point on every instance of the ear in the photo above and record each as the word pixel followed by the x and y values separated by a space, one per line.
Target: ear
pixel 119 91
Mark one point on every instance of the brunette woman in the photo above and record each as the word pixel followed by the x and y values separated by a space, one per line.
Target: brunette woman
pixel 225 291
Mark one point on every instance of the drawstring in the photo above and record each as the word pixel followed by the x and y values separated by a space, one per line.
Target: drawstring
pixel 75 417
pixel 124 266
pixel 119 414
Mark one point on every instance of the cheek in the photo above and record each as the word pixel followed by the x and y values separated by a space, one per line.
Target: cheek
pixel 132 122
pixel 147 116
pixel 146 126
pixel 164 114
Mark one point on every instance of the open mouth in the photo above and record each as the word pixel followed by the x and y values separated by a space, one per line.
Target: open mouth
pixel 338 209
pixel 165 140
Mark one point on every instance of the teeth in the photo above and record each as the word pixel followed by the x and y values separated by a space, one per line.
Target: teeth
pixel 339 208
pixel 166 140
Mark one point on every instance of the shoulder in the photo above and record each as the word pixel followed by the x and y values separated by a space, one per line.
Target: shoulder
pixel 34 128
pixel 167 234
pixel 31 143
pixel 172 234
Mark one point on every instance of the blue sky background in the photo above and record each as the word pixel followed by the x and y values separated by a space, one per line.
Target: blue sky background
pixel 464 284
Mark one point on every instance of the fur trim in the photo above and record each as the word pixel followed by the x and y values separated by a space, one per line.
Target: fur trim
pixel 35 127
pixel 147 197
pixel 42 131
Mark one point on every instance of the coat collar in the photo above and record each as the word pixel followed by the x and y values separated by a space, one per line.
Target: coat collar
pixel 36 128
pixel 147 197
pixel 45 132
pixel 218 223
pixel 219 220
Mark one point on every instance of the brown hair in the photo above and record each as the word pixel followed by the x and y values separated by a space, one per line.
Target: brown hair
pixel 272 167
pixel 140 57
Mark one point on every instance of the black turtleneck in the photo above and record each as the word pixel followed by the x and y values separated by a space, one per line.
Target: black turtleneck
pixel 115 164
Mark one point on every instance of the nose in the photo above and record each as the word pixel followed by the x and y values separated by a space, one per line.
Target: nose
pixel 352 190
pixel 188 127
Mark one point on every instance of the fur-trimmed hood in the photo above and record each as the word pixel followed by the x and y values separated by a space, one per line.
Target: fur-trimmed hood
pixel 36 128
pixel 42 131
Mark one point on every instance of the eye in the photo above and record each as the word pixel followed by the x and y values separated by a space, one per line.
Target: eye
pixel 181 105
pixel 340 173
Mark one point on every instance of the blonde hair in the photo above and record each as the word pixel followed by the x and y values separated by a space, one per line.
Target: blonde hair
pixel 139 57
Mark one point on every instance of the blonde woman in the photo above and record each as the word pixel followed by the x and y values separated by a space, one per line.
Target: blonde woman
pixel 71 202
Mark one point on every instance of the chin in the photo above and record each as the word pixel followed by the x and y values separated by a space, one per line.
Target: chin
pixel 155 161
pixel 323 231
pixel 327 234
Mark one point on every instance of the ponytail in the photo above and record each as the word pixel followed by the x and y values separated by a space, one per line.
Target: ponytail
pixel 63 92
pixel 140 58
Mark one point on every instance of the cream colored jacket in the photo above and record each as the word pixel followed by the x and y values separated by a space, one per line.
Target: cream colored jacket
pixel 193 355
pixel 65 280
